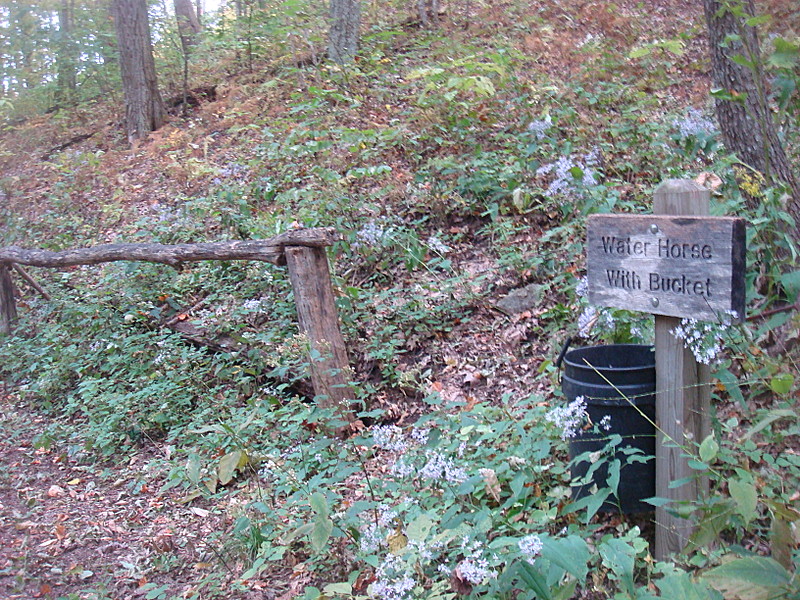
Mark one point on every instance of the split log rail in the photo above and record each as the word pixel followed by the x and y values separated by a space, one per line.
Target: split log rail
pixel 302 251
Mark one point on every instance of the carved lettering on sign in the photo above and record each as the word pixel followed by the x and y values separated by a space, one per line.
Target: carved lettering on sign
pixel 675 266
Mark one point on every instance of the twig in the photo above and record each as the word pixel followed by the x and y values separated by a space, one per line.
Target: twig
pixel 31 281
pixel 773 311
pixel 177 317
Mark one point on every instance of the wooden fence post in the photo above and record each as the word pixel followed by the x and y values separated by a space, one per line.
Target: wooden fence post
pixel 8 306
pixel 316 312
pixel 683 393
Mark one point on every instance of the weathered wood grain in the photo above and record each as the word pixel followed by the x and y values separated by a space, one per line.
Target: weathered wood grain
pixel 674 266
pixel 270 250
pixel 316 312
pixel 8 306
pixel 683 394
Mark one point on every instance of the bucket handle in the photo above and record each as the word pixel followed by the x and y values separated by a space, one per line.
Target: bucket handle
pixel 560 358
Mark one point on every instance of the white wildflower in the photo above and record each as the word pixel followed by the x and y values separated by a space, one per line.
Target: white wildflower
pixel 694 124
pixel 587 320
pixel 475 571
pixel 540 127
pixel 436 245
pixel 516 461
pixel 530 546
pixel 569 418
pixel 389 437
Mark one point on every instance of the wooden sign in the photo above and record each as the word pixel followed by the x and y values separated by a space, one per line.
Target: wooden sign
pixel 668 265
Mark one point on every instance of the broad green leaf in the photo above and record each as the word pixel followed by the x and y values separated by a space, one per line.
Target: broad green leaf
pixel 323 527
pixel 228 465
pixel 535 581
pixel 746 498
pixel 750 578
pixel 157 592
pixel 771 417
pixel 193 468
pixel 343 588
pixel 785 55
pixel 733 385
pixel 570 553
pixel 319 504
pixel 640 52
pixel 711 524
pixel 781 541
pixel 618 555
pixel 758 20
pixel 743 61
pixel 419 528
pixel 304 529
pixel 682 586
pixel 782 383
pixel 708 449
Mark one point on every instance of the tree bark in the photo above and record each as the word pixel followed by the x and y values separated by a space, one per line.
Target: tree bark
pixel 746 121
pixel 189 27
pixel 428 11
pixel 8 305
pixel 144 109
pixel 66 81
pixel 343 35
pixel 271 250
pixel 316 312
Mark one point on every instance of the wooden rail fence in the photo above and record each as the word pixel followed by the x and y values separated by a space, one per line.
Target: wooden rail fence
pixel 302 251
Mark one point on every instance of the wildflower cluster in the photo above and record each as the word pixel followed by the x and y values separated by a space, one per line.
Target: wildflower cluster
pixel 371 234
pixel 474 568
pixel 437 245
pixel 231 171
pixel 253 305
pixel 705 340
pixel 429 464
pixel 694 124
pixel 540 127
pixel 392 579
pixel 570 418
pixel 571 173
pixel 530 546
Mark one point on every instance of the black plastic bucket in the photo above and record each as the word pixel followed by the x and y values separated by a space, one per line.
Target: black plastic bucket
pixel 617 382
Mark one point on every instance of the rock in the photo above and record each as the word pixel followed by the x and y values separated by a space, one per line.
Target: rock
pixel 522 299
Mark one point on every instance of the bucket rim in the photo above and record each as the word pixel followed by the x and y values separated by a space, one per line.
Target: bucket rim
pixel 590 367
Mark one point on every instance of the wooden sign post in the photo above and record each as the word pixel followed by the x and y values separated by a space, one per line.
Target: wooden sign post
pixel 676 263
pixel 8 306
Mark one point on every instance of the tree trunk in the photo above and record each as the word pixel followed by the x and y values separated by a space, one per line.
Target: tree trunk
pixel 343 35
pixel 144 109
pixel 745 118
pixel 188 24
pixel 428 11
pixel 67 55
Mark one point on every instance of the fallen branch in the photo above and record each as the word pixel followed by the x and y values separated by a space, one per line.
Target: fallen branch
pixel 774 311
pixel 270 250
pixel 31 281
pixel 70 142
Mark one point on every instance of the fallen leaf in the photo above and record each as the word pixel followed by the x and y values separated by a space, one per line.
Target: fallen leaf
pixel 56 491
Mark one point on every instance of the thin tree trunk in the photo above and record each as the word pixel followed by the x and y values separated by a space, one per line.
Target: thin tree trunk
pixel 144 109
pixel 67 55
pixel 189 27
pixel 343 35
pixel 746 121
